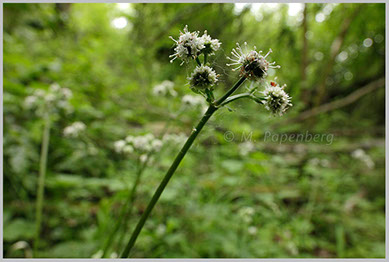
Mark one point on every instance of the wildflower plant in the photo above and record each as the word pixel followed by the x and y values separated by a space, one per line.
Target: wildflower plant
pixel 45 104
pixel 141 147
pixel 50 101
pixel 252 66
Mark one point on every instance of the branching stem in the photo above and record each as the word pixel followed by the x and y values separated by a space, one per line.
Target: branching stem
pixel 211 109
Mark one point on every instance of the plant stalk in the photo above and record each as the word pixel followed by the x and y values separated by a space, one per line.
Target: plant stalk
pixel 41 181
pixel 166 179
pixel 211 109
pixel 198 61
pixel 235 97
pixel 124 216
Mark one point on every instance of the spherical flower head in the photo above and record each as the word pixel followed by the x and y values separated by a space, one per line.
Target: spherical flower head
pixel 188 46
pixel 210 45
pixel 276 99
pixel 203 77
pixel 251 63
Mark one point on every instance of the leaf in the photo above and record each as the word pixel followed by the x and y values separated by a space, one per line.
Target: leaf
pixel 232 166
pixel 18 229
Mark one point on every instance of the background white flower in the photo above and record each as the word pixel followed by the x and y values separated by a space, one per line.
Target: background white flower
pixel 190 100
pixel 43 101
pixel 138 144
pixel 361 155
pixel 246 147
pixel 74 129
pixel 164 89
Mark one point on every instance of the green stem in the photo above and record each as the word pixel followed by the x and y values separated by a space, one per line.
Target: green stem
pixel 229 92
pixel 166 179
pixel 198 61
pixel 205 59
pixel 123 214
pixel 243 95
pixel 211 109
pixel 235 97
pixel 41 182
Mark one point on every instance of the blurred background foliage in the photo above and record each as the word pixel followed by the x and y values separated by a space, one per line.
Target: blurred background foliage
pixel 304 199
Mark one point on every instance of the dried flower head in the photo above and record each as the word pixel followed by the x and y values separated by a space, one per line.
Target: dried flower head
pixel 276 99
pixel 188 46
pixel 203 77
pixel 251 64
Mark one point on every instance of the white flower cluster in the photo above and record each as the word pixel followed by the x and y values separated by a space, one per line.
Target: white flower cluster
pixel 202 78
pixel 246 213
pixel 160 230
pixel 54 97
pixel 190 100
pixel 276 99
pixel 189 45
pixel 138 144
pixel 251 63
pixel 74 129
pixel 174 138
pixel 319 162
pixel 252 230
pixel 361 155
pixel 246 147
pixel 164 89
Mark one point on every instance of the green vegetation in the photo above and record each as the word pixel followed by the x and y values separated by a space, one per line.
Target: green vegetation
pixel 247 188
